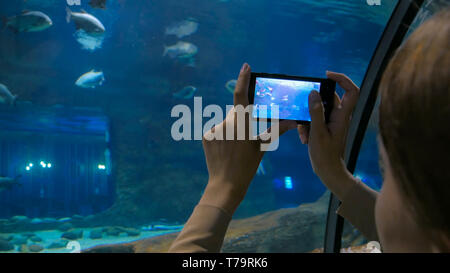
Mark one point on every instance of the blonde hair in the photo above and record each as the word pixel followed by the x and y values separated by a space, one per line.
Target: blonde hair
pixel 415 122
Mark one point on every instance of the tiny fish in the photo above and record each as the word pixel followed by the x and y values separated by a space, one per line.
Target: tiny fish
pixel 85 21
pixel 6 96
pixel 91 79
pixel 28 21
pixel 183 28
pixel 231 85
pixel 99 4
pixel 186 93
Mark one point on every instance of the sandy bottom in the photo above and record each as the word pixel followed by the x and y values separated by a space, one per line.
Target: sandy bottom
pixel 54 236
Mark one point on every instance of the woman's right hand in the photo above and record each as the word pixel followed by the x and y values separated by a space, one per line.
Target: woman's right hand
pixel 326 142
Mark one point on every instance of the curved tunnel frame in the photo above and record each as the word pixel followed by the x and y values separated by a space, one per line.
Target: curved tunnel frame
pixel 394 33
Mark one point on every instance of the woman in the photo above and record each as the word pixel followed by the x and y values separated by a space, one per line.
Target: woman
pixel 410 214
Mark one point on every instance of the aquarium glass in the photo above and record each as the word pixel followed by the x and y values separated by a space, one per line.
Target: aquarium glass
pixel 368 164
pixel 87 156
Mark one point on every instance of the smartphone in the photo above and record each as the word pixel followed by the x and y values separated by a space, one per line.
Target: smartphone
pixel 290 94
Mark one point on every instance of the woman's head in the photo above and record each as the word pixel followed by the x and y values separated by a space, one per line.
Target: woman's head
pixel 415 136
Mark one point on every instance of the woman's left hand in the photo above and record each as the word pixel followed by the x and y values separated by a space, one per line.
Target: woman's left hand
pixel 233 163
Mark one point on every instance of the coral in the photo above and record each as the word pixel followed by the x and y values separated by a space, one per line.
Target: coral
pixel 72 234
pixel 5 245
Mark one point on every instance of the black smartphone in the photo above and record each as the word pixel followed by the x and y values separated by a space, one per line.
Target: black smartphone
pixel 290 94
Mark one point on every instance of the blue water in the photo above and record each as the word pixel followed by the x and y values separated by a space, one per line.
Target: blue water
pixel 152 175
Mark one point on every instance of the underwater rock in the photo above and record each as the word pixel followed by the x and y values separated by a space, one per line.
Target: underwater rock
pixel 96 234
pixel 72 235
pixel 28 234
pixel 36 221
pixel 5 245
pixel 65 227
pixel 19 240
pixel 298 229
pixel 132 232
pixel 36 239
pixel 49 220
pixel 35 248
pixel 89 218
pixel 77 217
pixel 59 244
pixel 19 218
pixel 113 231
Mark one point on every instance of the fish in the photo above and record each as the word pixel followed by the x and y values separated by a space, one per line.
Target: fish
pixel 7 183
pixel 181 50
pixel 183 28
pixel 186 93
pixel 85 21
pixel 231 85
pixel 28 21
pixel 91 79
pixel 88 41
pixel 6 96
pixel 99 4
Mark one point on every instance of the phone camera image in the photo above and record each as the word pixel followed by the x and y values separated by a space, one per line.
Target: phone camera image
pixel 291 97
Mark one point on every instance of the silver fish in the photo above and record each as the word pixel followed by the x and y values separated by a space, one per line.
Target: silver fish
pixel 85 21
pixel 91 79
pixel 181 50
pixel 28 21
pixel 6 96
pixel 183 28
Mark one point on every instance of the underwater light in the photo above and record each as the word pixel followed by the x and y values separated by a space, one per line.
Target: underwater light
pixel 288 183
pixel 49 165
pixel 101 167
pixel 28 168
pixel 30 165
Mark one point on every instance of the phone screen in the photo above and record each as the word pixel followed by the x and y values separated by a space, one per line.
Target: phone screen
pixel 291 97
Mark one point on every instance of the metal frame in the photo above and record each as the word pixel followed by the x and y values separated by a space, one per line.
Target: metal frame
pixel 394 33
